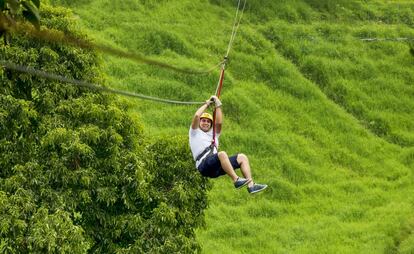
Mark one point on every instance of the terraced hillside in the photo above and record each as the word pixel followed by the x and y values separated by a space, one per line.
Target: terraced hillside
pixel 325 116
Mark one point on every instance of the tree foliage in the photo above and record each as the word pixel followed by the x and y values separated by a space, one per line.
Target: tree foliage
pixel 77 174
pixel 10 10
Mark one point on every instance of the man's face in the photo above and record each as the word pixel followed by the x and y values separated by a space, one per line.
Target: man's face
pixel 205 124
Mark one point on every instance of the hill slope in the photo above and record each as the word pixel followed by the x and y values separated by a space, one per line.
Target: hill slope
pixel 326 119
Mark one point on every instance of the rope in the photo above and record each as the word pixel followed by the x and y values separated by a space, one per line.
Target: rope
pixel 52 36
pixel 233 35
pixel 59 37
pixel 46 75
pixel 236 25
pixel 387 39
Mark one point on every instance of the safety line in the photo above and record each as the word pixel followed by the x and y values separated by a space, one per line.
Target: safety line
pixel 46 75
pixel 59 37
pixel 52 36
pixel 235 26
pixel 223 66
pixel 387 39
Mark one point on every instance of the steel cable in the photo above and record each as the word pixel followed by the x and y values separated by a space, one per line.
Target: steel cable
pixel 59 37
pixel 235 26
pixel 386 39
pixel 80 83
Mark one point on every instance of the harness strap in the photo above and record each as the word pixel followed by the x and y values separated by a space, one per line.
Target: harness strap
pixel 209 149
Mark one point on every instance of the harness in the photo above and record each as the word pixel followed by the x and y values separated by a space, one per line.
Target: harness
pixel 209 150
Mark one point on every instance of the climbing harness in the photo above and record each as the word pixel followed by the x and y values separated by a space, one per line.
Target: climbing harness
pixel 208 150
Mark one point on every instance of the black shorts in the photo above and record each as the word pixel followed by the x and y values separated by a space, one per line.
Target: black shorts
pixel 211 167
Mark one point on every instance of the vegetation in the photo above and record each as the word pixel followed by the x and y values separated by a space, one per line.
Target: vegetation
pixel 77 173
pixel 326 118
pixel 10 10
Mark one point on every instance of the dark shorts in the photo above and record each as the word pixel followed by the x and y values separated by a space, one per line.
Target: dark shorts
pixel 211 167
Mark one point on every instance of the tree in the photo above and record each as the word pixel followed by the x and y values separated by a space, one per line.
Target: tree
pixel 77 173
pixel 11 9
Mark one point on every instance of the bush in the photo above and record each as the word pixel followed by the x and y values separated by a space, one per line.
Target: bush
pixel 77 174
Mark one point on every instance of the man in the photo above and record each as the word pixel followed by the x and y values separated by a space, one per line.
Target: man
pixel 209 161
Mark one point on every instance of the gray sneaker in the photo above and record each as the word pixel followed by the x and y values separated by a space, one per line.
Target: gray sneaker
pixel 240 182
pixel 256 188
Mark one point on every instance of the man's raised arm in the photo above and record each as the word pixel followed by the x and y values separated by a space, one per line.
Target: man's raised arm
pixel 196 119
pixel 219 114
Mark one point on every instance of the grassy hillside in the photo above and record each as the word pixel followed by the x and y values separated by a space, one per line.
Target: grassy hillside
pixel 326 119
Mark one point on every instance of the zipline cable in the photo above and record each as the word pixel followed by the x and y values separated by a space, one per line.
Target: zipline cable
pixel 236 25
pixel 47 35
pixel 387 39
pixel 80 83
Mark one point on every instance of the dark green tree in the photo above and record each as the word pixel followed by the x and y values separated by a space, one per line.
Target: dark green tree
pixel 10 10
pixel 77 174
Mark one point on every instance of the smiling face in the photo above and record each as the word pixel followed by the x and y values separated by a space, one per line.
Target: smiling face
pixel 205 124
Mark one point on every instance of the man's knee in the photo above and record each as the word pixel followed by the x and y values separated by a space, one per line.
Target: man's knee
pixel 241 158
pixel 222 155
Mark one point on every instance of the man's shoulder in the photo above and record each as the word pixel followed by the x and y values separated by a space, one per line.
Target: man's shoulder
pixel 193 131
pixel 198 131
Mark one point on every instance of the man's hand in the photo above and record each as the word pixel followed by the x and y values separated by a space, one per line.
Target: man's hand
pixel 216 101
pixel 209 101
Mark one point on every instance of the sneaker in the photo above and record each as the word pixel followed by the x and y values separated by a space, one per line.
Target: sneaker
pixel 256 188
pixel 240 182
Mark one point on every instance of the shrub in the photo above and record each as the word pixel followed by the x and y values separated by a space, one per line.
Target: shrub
pixel 77 174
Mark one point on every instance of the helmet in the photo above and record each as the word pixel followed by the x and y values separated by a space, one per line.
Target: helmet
pixel 207 115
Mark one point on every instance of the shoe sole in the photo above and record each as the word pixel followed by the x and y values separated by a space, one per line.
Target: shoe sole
pixel 253 192
pixel 246 183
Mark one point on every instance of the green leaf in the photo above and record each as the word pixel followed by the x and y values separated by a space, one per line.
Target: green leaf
pixel 32 18
pixel 31 14
pixel 36 3
pixel 2 4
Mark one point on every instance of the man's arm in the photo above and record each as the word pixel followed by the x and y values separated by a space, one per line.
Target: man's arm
pixel 219 114
pixel 196 119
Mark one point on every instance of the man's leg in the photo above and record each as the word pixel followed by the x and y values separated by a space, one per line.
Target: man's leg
pixel 245 167
pixel 226 165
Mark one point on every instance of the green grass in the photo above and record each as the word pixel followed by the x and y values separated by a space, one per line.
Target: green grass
pixel 326 119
